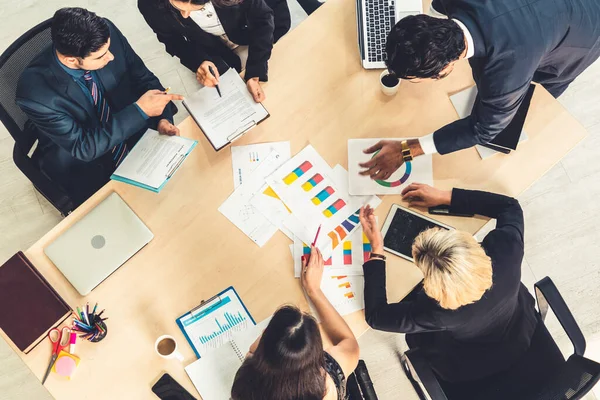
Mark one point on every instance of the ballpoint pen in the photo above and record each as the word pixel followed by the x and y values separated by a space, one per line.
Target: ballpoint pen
pixel 213 74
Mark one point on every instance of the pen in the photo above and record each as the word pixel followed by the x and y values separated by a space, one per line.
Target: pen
pixel 166 91
pixel 213 74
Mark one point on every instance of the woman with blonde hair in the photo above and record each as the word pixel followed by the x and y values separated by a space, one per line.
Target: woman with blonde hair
pixel 471 316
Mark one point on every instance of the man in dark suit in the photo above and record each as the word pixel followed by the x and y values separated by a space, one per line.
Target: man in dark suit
pixel 90 98
pixel 508 43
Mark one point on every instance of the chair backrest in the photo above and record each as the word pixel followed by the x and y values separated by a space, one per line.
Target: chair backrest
pixel 12 63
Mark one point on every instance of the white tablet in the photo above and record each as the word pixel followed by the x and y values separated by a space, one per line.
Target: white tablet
pixel 402 226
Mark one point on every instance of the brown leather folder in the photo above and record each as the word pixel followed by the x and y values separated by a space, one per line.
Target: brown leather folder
pixel 29 306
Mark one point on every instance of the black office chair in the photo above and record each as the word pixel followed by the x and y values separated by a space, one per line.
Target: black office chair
pixel 541 374
pixel 12 63
pixel 359 384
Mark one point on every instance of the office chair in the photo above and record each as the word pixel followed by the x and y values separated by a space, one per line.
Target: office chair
pixel 541 374
pixel 12 63
pixel 359 385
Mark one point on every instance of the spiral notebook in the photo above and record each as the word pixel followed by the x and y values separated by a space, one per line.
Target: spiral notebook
pixel 213 374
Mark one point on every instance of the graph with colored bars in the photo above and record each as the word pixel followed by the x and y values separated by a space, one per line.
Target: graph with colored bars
pixel 306 252
pixel 339 233
pixel 231 321
pixel 297 173
pixel 345 286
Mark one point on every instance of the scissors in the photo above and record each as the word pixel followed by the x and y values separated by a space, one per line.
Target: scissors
pixel 60 340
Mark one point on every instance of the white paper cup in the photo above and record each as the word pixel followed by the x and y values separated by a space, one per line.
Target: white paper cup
pixel 388 91
pixel 166 347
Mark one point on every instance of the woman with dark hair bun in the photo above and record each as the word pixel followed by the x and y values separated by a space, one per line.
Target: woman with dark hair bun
pixel 288 362
pixel 215 35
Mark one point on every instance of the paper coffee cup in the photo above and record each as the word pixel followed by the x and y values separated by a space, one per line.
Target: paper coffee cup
pixel 388 90
pixel 166 347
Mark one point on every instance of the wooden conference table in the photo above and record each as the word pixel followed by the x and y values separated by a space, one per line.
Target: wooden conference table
pixel 318 93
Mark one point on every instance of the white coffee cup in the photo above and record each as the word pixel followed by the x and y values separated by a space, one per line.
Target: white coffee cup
pixel 387 90
pixel 166 347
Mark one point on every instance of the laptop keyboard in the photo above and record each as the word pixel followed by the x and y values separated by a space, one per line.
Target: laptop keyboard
pixel 379 22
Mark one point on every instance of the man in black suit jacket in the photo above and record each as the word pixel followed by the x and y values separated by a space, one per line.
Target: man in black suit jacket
pixel 90 98
pixel 467 325
pixel 508 43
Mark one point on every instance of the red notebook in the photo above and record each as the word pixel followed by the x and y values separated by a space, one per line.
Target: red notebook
pixel 29 306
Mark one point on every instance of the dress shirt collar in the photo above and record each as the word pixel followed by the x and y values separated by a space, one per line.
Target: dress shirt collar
pixel 468 37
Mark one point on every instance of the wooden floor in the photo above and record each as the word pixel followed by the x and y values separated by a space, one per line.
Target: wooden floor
pixel 562 209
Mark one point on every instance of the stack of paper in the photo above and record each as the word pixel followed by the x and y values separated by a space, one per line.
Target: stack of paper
pixel 297 196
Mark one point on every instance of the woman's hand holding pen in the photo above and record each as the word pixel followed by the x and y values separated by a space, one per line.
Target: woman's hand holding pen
pixel 312 272
pixel 371 229
pixel 204 75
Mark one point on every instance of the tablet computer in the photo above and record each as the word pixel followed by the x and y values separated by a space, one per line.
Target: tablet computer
pixel 402 226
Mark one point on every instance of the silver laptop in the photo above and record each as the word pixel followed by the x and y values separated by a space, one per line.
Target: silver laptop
pixel 98 244
pixel 375 19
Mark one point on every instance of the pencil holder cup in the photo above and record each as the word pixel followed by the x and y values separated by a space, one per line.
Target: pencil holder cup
pixel 102 333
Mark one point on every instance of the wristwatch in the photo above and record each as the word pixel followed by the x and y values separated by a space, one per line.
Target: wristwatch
pixel 380 256
pixel 406 156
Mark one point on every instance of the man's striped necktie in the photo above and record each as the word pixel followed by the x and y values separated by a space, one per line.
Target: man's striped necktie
pixel 103 111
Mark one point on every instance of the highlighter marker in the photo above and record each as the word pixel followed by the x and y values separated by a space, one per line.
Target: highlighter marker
pixel 72 341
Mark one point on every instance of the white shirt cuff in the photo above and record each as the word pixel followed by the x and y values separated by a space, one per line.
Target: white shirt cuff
pixel 434 13
pixel 427 144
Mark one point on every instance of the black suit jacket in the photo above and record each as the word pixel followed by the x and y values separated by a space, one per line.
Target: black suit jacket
pixel 255 23
pixel 517 41
pixel 74 147
pixel 479 339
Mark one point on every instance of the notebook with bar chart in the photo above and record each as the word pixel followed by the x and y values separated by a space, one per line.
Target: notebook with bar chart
pixel 213 322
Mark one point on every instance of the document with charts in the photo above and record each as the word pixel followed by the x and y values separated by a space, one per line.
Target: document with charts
pixel 345 293
pixel 238 209
pixel 307 187
pixel 154 160
pixel 245 159
pixel 225 118
pixel 213 322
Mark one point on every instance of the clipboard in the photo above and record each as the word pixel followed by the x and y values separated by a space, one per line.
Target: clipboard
pixel 234 136
pixel 198 328
pixel 168 177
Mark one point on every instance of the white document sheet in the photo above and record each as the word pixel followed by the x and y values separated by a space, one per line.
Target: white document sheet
pixel 245 159
pixel 306 184
pixel 224 119
pixel 463 104
pixel 239 211
pixel 154 158
pixel 345 293
pixel 213 374
pixel 418 170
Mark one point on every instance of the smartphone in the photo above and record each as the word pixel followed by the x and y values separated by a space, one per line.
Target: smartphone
pixel 167 388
